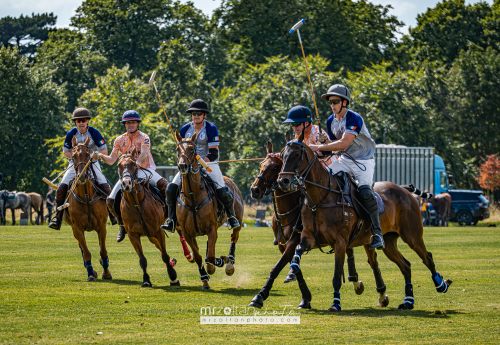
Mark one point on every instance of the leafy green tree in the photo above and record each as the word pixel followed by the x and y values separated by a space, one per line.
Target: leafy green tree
pixel 131 31
pixel 27 33
pixel 73 61
pixel 32 108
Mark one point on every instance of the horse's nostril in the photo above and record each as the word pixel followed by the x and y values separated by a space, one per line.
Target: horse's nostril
pixel 285 181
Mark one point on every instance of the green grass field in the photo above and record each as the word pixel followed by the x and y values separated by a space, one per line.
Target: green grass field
pixel 45 299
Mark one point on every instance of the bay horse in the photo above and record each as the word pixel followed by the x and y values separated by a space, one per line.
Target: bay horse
pixel 287 207
pixel 199 214
pixel 142 215
pixel 442 205
pixel 21 200
pixel 37 205
pixel 329 220
pixel 87 211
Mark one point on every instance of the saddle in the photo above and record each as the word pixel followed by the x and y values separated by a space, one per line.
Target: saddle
pixel 6 195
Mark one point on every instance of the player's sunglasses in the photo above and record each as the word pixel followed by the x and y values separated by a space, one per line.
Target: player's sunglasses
pixel 295 124
pixel 81 120
pixel 335 101
pixel 197 113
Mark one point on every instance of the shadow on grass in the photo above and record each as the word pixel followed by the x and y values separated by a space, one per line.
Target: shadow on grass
pixel 214 289
pixel 381 312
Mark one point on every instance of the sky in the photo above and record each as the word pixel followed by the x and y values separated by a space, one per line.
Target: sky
pixel 405 10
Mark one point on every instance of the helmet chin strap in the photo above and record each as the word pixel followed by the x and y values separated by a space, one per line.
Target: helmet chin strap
pixel 341 107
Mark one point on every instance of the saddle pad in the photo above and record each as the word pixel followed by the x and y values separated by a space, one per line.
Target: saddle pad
pixel 380 203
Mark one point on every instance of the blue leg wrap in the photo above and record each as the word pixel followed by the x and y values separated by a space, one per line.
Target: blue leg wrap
pixel 336 300
pixel 296 261
pixel 88 266
pixel 409 300
pixel 105 263
pixel 441 285
pixel 219 262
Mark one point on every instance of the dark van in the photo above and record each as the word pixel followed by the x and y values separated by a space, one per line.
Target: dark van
pixel 468 207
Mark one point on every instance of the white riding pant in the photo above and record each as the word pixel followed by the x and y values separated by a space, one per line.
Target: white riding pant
pixel 215 175
pixel 141 174
pixel 70 174
pixel 345 164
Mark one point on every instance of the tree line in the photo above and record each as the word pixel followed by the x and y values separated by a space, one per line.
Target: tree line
pixel 437 86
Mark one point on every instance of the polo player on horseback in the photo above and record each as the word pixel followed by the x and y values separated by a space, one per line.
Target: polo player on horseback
pixel 81 131
pixel 207 143
pixel 349 136
pixel 125 144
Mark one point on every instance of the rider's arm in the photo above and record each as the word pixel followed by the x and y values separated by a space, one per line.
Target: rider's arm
pixel 144 154
pixel 111 159
pixel 338 145
pixel 67 154
pixel 213 154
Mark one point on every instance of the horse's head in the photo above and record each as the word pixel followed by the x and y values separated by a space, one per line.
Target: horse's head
pixel 127 170
pixel 293 162
pixel 81 156
pixel 186 153
pixel 269 171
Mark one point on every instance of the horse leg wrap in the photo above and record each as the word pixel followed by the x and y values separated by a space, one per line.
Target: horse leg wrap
pixel 336 300
pixel 185 248
pixel 203 274
pixel 351 268
pixel 295 264
pixel 105 263
pixel 88 266
pixel 231 256
pixel 441 285
pixel 409 300
pixel 219 262
pixel 379 281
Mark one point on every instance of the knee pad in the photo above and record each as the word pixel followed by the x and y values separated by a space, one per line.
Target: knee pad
pixel 366 193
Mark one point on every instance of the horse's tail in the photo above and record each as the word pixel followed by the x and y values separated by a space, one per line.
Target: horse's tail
pixel 412 189
pixel 41 212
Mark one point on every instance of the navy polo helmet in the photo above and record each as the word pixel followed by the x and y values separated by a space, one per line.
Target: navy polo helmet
pixel 131 115
pixel 298 114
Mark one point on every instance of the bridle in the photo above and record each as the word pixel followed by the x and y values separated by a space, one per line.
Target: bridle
pixel 269 185
pixel 75 167
pixel 126 171
pixel 188 158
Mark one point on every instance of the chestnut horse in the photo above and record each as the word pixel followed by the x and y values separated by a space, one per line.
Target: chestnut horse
pixel 37 205
pixel 142 215
pixel 87 211
pixel 287 211
pixel 197 211
pixel 329 220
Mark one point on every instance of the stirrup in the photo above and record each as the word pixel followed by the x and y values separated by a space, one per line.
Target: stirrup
pixel 56 223
pixel 234 222
pixel 374 245
pixel 169 225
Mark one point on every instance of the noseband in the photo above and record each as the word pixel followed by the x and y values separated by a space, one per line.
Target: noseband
pixel 268 184
pixel 297 177
pixel 127 172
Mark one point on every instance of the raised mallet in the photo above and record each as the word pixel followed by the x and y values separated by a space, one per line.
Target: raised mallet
pixel 66 204
pixel 296 28
pixel 51 183
pixel 152 82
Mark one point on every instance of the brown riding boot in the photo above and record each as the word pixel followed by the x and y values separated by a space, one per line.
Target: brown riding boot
pixel 162 185
pixel 62 190
pixel 121 233
pixel 107 189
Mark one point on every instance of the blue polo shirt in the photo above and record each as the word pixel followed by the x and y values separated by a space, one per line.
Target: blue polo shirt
pixel 207 136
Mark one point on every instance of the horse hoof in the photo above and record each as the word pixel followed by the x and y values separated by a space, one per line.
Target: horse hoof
pixel 175 283
pixel 173 262
pixel 146 284
pixel 206 287
pixel 107 276
pixel 405 306
pixel 229 269
pixel 190 257
pixel 211 270
pixel 91 279
pixel 305 304
pixel 359 289
pixel 383 303
pixel 448 281
pixel 290 277
pixel 257 302
pixel 333 309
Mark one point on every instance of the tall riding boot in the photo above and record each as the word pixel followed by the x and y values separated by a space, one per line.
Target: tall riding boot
pixel 162 185
pixel 62 190
pixel 111 209
pixel 171 200
pixel 370 204
pixel 225 195
pixel 107 189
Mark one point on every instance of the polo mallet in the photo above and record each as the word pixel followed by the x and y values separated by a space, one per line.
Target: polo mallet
pixel 51 183
pixel 66 204
pixel 296 28
pixel 152 81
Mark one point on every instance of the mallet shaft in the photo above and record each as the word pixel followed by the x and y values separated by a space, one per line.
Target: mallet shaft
pixel 51 183
pixel 241 160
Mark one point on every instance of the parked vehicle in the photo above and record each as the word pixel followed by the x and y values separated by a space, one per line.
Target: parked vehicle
pixel 468 206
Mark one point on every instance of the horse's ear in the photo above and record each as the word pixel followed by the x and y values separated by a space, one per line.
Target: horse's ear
pixel 288 137
pixel 193 137
pixel 269 146
pixel 73 141
pixel 178 136
pixel 301 137
pixel 134 152
pixel 87 141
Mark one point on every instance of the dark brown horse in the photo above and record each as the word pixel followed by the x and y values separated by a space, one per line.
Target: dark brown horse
pixel 197 211
pixel 287 211
pixel 442 205
pixel 331 221
pixel 142 216
pixel 87 211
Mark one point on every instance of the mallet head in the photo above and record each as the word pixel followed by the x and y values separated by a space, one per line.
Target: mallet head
pixel 298 25
pixel 152 79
